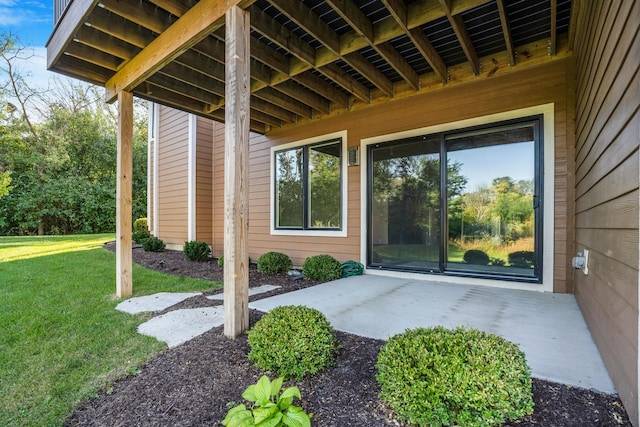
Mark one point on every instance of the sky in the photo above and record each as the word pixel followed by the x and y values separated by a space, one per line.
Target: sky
pixel 32 22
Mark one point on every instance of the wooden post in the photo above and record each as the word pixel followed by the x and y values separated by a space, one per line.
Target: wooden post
pixel 124 185
pixel 236 174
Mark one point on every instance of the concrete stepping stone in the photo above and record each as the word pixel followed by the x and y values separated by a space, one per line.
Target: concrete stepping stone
pixel 252 291
pixel 155 302
pixel 179 326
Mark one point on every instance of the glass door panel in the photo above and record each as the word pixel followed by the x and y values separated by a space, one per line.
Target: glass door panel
pixel 490 197
pixel 404 226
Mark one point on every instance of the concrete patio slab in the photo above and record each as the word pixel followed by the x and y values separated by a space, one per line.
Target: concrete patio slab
pixel 179 326
pixel 156 302
pixel 252 291
pixel 548 327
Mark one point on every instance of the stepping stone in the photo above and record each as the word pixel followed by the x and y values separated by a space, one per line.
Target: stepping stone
pixel 179 326
pixel 252 291
pixel 155 302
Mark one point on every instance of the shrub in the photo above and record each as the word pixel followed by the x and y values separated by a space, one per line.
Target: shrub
pixel 221 260
pixel 475 256
pixel 196 251
pixel 521 259
pixel 498 261
pixel 274 262
pixel 153 244
pixel 267 408
pixel 322 267
pixel 293 341
pixel 139 236
pixel 141 225
pixel 464 377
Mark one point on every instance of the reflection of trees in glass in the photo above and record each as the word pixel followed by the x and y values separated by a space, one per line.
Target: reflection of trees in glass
pixel 324 186
pixel 289 188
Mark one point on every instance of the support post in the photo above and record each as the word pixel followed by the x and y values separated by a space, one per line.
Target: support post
pixel 236 173
pixel 124 190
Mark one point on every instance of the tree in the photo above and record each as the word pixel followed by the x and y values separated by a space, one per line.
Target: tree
pixel 59 145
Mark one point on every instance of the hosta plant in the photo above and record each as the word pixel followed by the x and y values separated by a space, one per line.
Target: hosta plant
pixel 268 407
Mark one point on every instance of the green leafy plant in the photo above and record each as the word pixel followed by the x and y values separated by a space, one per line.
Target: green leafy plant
pixel 498 262
pixel 141 225
pixel 268 407
pixel 221 260
pixel 153 244
pixel 475 256
pixel 196 250
pixel 274 262
pixel 293 341
pixel 465 377
pixel 139 236
pixel 322 267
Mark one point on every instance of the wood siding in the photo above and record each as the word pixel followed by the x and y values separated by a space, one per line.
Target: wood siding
pixel 547 83
pixel 172 176
pixel 607 176
pixel 204 180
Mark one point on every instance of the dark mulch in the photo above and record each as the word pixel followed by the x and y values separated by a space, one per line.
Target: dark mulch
pixel 191 385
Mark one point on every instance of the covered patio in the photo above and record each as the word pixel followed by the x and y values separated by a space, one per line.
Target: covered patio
pixel 548 327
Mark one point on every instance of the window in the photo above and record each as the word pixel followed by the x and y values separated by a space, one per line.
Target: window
pixel 308 182
pixel 460 202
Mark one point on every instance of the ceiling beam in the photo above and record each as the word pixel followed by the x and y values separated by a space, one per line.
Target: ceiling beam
pixel 400 14
pixel 323 88
pixel 304 95
pixel 463 37
pixel 554 20
pixel 277 98
pixel 205 17
pixel 506 31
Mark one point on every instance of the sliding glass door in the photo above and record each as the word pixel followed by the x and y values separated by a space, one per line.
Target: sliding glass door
pixel 459 203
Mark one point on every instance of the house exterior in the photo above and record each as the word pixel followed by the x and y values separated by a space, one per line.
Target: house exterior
pixel 476 141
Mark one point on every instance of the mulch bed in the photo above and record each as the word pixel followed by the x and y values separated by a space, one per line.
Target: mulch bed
pixel 192 384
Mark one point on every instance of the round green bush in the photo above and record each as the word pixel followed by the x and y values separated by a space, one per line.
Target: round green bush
pixel 153 244
pixel 322 267
pixel 274 262
pixel 139 236
pixel 196 250
pixel 141 225
pixel 521 259
pixel 293 341
pixel 464 377
pixel 474 256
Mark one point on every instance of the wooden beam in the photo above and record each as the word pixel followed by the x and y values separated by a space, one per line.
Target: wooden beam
pixel 124 190
pixel 277 98
pixel 506 31
pixel 302 94
pixel 67 27
pixel 463 36
pixel 400 14
pixel 554 20
pixel 316 84
pixel 236 177
pixel 193 26
pixel 574 21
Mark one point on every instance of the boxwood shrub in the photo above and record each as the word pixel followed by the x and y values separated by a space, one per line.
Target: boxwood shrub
pixel 293 341
pixel 196 250
pixel 475 256
pixel 153 244
pixel 274 262
pixel 322 267
pixel 141 225
pixel 465 377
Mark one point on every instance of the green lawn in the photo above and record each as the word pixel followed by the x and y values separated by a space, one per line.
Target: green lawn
pixel 60 338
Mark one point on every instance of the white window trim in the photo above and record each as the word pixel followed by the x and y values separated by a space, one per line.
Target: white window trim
pixel 344 196
pixel 191 178
pixel 547 111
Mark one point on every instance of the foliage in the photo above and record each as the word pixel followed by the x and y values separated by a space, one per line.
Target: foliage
pixel 75 342
pixel 5 183
pixel 221 261
pixel 153 244
pixel 140 236
pixel 476 257
pixel 196 251
pixel 322 267
pixel 141 225
pixel 268 406
pixel 521 259
pixel 293 341
pixel 274 262
pixel 59 145
pixel 463 377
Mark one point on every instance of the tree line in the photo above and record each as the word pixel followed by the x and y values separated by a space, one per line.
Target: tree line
pixel 58 153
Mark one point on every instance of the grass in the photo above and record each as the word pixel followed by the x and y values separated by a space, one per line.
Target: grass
pixel 62 340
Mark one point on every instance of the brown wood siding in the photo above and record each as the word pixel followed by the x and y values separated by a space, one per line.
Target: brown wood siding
pixel 172 176
pixel 540 85
pixel 204 180
pixel 151 186
pixel 607 175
